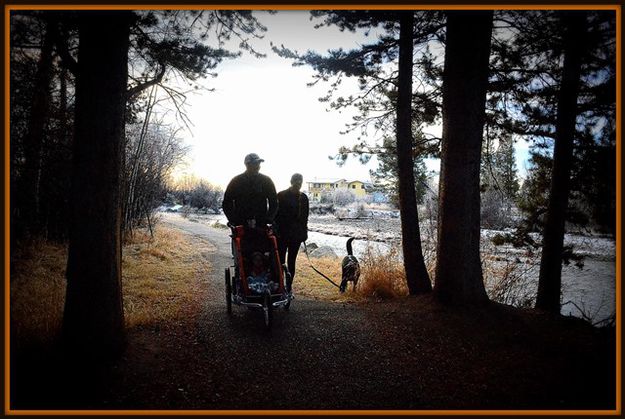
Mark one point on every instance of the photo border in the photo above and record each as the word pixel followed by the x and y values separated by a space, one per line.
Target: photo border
pixel 308 6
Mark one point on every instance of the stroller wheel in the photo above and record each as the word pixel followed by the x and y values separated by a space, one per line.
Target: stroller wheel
pixel 289 281
pixel 287 306
pixel 228 292
pixel 268 310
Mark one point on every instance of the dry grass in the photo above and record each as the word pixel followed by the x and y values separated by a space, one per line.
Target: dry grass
pixel 382 274
pixel 161 276
pixel 160 283
pixel 510 280
pixel 310 284
pixel 382 277
pixel 37 291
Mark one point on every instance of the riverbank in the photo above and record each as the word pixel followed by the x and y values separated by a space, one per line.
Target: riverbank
pixel 510 274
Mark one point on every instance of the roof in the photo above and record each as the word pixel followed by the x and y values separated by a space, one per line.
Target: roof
pixel 324 180
pixel 335 180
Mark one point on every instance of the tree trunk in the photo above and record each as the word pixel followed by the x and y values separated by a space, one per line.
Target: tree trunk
pixel 130 214
pixel 465 78
pixel 550 277
pixel 62 116
pixel 93 320
pixel 33 142
pixel 414 265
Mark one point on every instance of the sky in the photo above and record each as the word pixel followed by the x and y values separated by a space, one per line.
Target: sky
pixel 264 106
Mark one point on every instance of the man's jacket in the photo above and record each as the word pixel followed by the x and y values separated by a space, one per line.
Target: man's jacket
pixel 250 196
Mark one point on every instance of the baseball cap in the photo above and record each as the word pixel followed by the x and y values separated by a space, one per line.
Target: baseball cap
pixel 252 158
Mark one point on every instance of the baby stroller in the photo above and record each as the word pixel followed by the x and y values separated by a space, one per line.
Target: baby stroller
pixel 257 292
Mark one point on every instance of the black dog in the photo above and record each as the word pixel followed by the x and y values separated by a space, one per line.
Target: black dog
pixel 350 267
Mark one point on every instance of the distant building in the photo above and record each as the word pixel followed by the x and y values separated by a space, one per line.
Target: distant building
pixel 317 187
pixel 379 197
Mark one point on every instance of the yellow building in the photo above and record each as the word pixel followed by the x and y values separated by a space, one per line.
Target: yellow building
pixel 357 188
pixel 317 187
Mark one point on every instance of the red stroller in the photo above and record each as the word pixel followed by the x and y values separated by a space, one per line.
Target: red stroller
pixel 265 295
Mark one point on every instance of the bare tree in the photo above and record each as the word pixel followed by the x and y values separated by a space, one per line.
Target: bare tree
pixel 33 141
pixel 152 151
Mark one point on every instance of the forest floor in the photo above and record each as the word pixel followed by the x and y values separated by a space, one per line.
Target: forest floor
pixel 325 353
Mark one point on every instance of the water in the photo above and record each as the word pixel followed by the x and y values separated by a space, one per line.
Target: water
pixel 591 288
pixel 338 243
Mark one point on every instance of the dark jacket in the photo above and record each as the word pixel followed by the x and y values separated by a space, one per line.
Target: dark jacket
pixel 292 217
pixel 250 196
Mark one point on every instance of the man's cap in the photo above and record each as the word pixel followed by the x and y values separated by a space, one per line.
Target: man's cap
pixel 253 158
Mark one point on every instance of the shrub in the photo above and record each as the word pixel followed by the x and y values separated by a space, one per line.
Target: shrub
pixel 197 193
pixel 510 280
pixel 382 274
pixel 495 209
pixel 338 197
pixel 343 197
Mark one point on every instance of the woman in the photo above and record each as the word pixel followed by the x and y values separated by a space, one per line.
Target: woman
pixel 291 223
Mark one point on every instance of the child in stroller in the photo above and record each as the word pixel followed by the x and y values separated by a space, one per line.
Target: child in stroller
pixel 258 281
pixel 260 275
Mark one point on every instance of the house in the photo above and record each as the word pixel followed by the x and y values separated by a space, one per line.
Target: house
pixel 317 187
pixel 358 188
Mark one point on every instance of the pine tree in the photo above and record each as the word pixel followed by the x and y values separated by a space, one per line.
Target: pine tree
pixel 465 80
pixel 522 102
pixel 93 320
pixel 550 276
pixel 163 45
pixel 385 175
pixel 417 275
pixel 499 181
pixel 379 107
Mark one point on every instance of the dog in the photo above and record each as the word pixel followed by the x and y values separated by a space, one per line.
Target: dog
pixel 350 268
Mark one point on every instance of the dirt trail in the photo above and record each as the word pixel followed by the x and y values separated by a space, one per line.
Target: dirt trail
pixel 231 362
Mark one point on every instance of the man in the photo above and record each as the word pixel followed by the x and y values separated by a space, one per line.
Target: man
pixel 292 223
pixel 250 198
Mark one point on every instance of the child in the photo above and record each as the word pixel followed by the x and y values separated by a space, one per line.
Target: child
pixel 259 275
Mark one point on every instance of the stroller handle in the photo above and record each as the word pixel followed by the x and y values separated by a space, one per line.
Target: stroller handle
pixel 261 226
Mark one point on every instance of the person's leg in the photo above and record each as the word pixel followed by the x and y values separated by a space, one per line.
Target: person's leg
pixel 293 248
pixel 282 246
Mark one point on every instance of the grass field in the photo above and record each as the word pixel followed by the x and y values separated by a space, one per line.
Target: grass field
pixel 159 279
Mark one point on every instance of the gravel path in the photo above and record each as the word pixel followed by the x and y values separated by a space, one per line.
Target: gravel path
pixel 306 361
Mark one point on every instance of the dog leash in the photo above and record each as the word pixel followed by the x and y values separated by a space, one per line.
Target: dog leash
pixel 316 270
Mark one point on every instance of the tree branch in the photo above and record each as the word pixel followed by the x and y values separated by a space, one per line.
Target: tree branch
pixel 132 92
pixel 62 49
